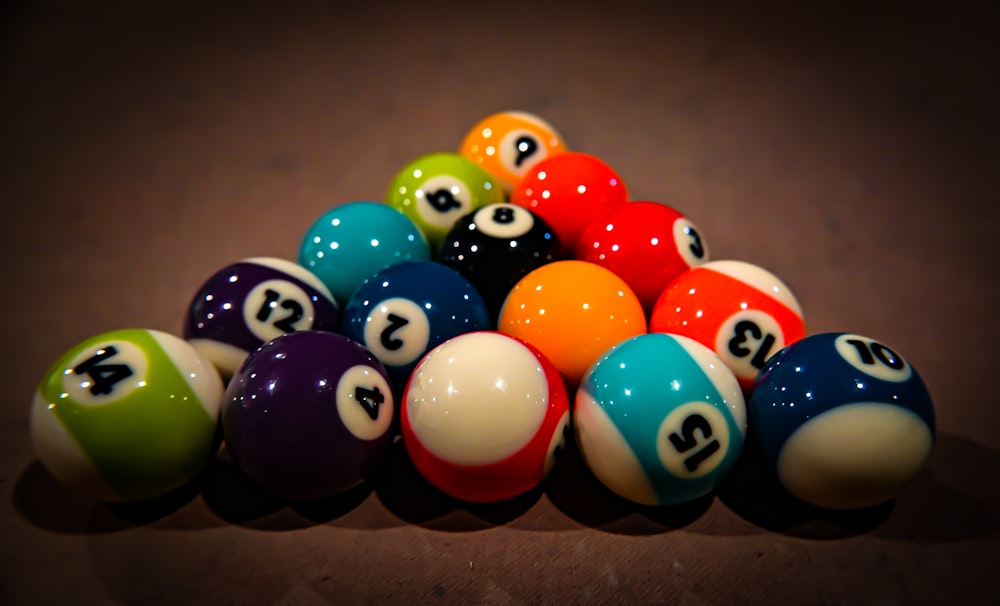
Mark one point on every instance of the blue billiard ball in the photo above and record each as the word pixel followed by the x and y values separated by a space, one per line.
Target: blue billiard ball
pixel 403 311
pixel 354 240
pixel 660 419
pixel 843 420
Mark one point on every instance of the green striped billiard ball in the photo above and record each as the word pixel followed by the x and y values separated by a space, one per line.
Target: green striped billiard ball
pixel 127 415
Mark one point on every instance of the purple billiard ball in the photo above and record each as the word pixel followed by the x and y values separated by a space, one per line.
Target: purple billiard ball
pixel 307 415
pixel 250 302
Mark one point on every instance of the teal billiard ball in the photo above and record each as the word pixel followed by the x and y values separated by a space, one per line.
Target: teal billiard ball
pixel 352 241
pixel 127 415
pixel 660 419
pixel 843 420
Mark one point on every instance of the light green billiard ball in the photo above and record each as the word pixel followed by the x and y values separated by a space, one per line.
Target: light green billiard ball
pixel 127 415
pixel 438 189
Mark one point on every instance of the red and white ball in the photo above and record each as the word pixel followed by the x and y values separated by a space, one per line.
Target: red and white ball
pixel 485 416
pixel 741 311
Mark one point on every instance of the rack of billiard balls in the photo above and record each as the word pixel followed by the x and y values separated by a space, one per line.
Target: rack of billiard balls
pixel 500 300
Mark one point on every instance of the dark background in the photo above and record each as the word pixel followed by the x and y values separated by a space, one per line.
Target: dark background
pixel 851 149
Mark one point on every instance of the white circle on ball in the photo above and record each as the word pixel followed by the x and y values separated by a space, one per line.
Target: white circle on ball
pixel 276 307
pixel 746 340
pixel 693 440
pixel 691 246
pixel 397 331
pixel 503 220
pixel 521 149
pixel 105 373
pixel 364 402
pixel 873 358
pixel 445 187
pixel 477 399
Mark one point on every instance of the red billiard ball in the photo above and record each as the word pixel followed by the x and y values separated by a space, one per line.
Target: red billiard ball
pixel 568 191
pixel 484 417
pixel 741 311
pixel 646 243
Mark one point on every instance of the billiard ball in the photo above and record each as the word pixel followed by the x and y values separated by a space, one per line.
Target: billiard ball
pixel 351 242
pixel 741 311
pixel 843 420
pixel 485 417
pixel 250 302
pixel 646 243
pixel 507 144
pixel 403 311
pixel 437 189
pixel 495 246
pixel 127 415
pixel 660 419
pixel 573 311
pixel 307 415
pixel 569 191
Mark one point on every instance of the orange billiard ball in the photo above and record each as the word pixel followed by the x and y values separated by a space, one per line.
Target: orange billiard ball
pixel 572 311
pixel 508 144
pixel 742 312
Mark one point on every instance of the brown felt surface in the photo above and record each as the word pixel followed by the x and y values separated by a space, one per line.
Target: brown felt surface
pixel 850 149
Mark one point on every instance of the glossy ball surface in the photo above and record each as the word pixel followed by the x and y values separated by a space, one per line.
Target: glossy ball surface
pixel 508 144
pixel 246 304
pixel 127 415
pixel 485 417
pixel 569 191
pixel 352 241
pixel 843 420
pixel 741 311
pixel 660 420
pixel 437 189
pixel 404 311
pixel 572 311
pixel 647 244
pixel 307 416
pixel 496 246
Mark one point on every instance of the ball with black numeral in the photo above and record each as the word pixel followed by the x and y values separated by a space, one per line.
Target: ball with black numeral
pixel 660 419
pixel 646 243
pixel 246 304
pixel 496 246
pixel 843 419
pixel 307 415
pixel 127 415
pixel 404 311
pixel 741 311
pixel 437 189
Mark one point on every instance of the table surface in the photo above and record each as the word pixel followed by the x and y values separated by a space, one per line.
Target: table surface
pixel 850 149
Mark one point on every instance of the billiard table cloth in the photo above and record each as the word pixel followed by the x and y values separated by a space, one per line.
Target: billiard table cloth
pixel 850 148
